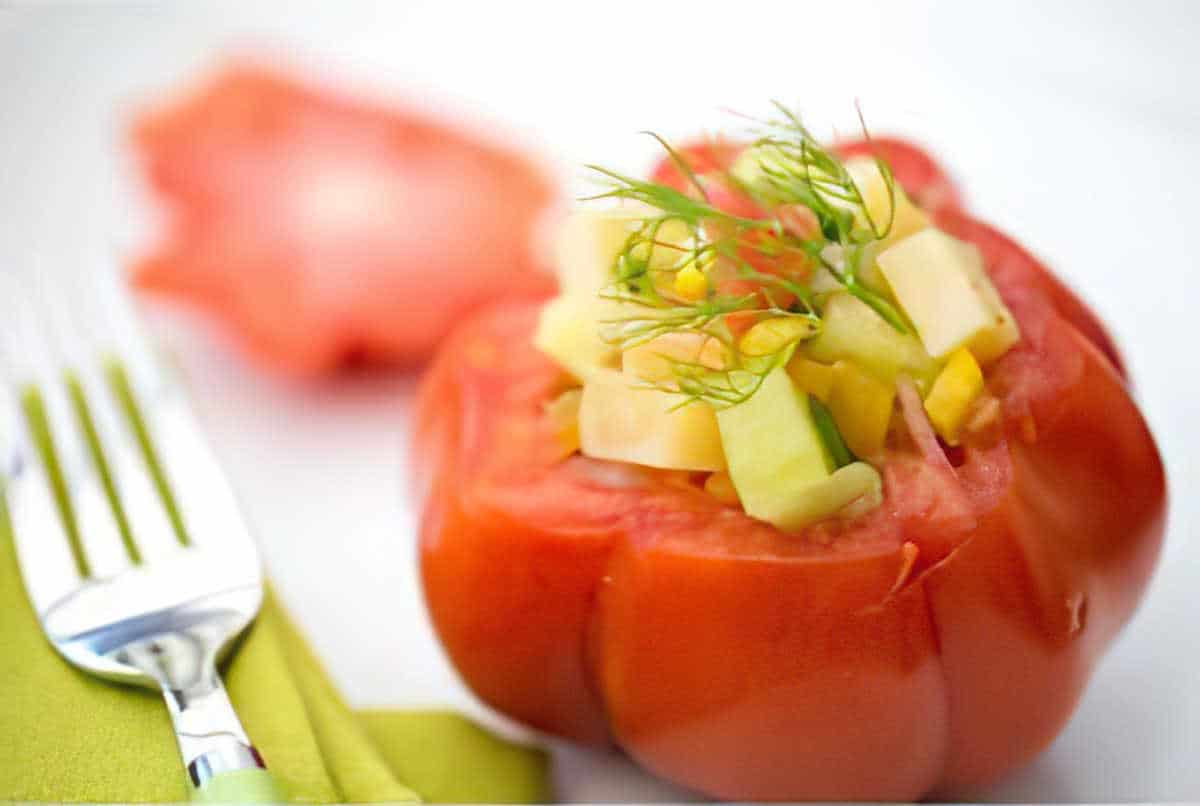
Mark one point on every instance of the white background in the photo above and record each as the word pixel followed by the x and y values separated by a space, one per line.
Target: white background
pixel 1074 126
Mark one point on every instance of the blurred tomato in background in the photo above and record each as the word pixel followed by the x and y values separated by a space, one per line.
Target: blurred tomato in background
pixel 324 229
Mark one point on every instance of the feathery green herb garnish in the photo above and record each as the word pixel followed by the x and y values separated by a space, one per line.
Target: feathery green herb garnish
pixel 689 266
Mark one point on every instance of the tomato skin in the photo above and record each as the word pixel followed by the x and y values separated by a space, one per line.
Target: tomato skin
pixel 321 229
pixel 748 664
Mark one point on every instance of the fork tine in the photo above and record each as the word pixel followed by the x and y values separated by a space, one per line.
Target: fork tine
pixel 100 530
pixel 50 567
pixel 147 519
pixel 196 486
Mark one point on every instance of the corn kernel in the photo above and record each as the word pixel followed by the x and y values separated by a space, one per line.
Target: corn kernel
pixel 953 391
pixel 862 408
pixel 812 377
pixel 720 487
pixel 771 335
pixel 690 283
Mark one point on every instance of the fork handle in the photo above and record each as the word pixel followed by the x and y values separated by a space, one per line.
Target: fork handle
pixel 222 764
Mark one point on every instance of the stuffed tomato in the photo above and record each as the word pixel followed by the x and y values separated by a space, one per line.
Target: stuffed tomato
pixel 808 485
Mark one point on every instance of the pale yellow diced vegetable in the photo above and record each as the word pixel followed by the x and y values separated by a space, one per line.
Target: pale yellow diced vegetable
pixel 861 406
pixel 563 413
pixel 772 335
pixel 851 330
pixel 569 332
pixel 626 424
pixel 812 377
pixel 773 448
pixel 589 241
pixel 941 284
pixel 720 487
pixel 908 218
pixel 952 393
pixel 652 361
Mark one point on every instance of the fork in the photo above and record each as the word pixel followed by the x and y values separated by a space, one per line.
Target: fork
pixel 131 545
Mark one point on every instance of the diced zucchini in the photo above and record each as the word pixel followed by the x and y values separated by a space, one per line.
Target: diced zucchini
pixel 854 489
pixel 852 331
pixel 952 394
pixel 773 449
pixel 941 284
pixel 862 408
pixel 569 332
pixel 652 361
pixel 627 424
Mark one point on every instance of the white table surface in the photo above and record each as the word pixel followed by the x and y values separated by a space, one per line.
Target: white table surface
pixel 1075 126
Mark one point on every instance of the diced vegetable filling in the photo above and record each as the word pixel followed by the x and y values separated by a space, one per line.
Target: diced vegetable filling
pixel 766 351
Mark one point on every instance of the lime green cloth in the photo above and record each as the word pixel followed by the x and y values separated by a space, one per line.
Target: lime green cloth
pixel 65 736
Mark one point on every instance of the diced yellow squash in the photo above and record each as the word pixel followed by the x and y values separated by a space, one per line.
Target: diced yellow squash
pixel 853 490
pixel 773 448
pixel 569 332
pixel 861 406
pixel 563 412
pixel 720 487
pixel 852 331
pixel 589 241
pixel 772 335
pixel 812 377
pixel 941 284
pixel 952 394
pixel 652 361
pixel 908 218
pixel 626 424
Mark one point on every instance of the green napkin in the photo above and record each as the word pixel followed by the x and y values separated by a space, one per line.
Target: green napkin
pixel 65 736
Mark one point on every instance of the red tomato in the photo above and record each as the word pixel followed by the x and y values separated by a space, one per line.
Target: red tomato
pixel 925 648
pixel 322 228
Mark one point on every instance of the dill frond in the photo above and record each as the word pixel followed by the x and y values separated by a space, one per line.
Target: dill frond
pixel 791 167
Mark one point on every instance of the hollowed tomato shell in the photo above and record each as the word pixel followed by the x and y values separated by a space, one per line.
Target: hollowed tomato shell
pixel 611 604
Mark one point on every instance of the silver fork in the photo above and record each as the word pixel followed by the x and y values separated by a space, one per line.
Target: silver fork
pixel 131 545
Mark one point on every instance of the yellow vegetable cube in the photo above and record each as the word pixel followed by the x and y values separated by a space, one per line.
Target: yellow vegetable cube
pixel 812 377
pixel 652 361
pixel 590 240
pixel 569 332
pixel 772 335
pixel 942 286
pixel 952 394
pixel 861 407
pixel 907 219
pixel 626 424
